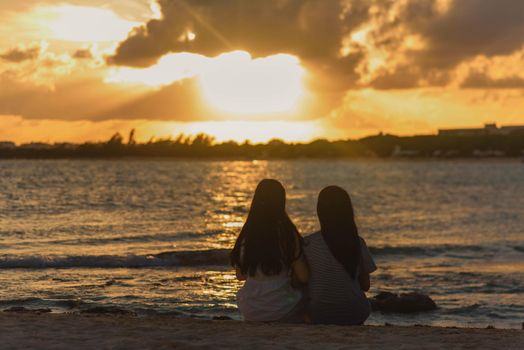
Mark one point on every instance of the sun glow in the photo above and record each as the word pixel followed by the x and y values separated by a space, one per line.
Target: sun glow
pixel 254 131
pixel 231 84
pixel 237 84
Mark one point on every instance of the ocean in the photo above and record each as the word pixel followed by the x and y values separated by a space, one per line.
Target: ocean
pixel 152 236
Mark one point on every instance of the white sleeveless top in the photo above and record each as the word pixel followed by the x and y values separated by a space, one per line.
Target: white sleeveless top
pixel 267 298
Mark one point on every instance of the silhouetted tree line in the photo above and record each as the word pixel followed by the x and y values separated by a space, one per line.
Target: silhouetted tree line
pixel 204 146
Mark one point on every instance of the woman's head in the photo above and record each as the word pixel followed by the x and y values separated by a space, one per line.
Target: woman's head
pixel 269 200
pixel 338 227
pixel 334 207
pixel 267 239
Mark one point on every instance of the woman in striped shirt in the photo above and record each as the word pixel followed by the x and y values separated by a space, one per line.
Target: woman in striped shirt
pixel 339 263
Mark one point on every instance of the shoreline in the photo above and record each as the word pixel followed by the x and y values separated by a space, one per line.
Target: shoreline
pixel 65 331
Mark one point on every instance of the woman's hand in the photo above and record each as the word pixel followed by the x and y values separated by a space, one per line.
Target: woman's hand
pixel 240 276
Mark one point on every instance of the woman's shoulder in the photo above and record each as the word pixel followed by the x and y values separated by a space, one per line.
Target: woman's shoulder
pixel 314 245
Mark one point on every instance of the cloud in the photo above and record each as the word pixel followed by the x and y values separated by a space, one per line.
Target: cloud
pixel 481 80
pixel 63 100
pixel 446 37
pixel 408 44
pixel 177 101
pixel 21 54
pixel 312 30
pixel 404 77
pixel 83 54
pixel 34 65
pixel 470 28
pixel 261 27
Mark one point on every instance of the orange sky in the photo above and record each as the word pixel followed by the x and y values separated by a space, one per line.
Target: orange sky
pixel 81 70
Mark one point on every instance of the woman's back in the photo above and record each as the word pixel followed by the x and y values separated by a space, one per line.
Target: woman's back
pixel 267 252
pixel 334 297
pixel 268 298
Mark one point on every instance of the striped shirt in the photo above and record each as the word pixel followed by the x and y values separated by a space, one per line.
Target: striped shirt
pixel 334 297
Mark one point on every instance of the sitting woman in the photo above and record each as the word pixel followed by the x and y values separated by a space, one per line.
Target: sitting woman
pixel 268 255
pixel 339 263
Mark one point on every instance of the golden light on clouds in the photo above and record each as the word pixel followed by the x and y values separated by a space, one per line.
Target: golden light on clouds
pixel 169 69
pixel 74 23
pixel 232 83
pixel 84 24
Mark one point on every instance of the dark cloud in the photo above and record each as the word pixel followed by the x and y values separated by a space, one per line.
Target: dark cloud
pixel 18 55
pixel 83 54
pixel 409 77
pixel 405 77
pixel 310 29
pixel 480 80
pixel 465 30
pixel 469 28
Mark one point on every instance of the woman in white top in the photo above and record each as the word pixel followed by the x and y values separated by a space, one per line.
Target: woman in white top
pixel 339 263
pixel 268 256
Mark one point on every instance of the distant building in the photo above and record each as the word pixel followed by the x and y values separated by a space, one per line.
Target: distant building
pixel 7 145
pixel 488 129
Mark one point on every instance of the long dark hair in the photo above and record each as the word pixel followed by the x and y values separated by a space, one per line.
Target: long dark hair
pixel 268 238
pixel 338 228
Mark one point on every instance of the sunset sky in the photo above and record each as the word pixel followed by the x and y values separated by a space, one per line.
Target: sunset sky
pixel 78 70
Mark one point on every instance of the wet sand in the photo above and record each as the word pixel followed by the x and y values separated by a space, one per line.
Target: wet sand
pixel 68 331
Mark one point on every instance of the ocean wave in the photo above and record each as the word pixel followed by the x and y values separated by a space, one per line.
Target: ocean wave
pixel 19 301
pixel 177 258
pixel 157 237
pixel 467 309
pixel 211 257
pixel 432 250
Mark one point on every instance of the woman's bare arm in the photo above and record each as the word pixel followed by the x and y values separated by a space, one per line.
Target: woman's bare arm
pixel 301 270
pixel 300 266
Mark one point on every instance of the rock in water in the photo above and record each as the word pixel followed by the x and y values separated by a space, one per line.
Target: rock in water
pixel 404 303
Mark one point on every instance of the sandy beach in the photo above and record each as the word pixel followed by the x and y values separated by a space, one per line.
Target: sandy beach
pixel 68 331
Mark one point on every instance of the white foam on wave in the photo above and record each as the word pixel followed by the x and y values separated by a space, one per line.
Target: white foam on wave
pixel 180 258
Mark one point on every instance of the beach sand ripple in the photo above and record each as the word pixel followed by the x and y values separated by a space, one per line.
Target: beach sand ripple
pixel 73 331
